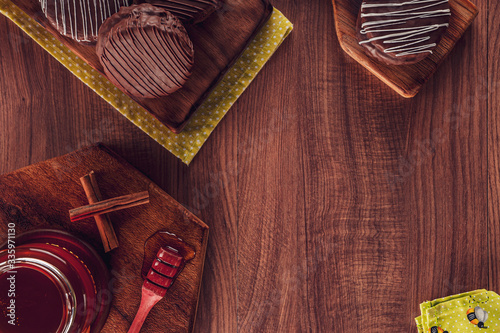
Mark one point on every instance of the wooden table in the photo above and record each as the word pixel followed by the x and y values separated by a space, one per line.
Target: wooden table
pixel 334 205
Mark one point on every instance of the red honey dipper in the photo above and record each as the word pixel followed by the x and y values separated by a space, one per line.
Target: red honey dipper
pixel 165 268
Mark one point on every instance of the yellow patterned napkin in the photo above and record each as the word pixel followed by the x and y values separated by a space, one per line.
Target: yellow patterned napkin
pixel 475 311
pixel 186 144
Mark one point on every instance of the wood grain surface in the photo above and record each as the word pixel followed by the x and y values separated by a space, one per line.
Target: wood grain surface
pixel 218 41
pixel 334 204
pixel 40 196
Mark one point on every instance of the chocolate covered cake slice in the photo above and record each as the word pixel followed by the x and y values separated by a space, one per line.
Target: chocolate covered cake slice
pixel 189 11
pixel 145 51
pixel 402 32
pixel 80 19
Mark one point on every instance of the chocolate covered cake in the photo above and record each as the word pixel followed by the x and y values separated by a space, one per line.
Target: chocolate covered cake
pixel 399 32
pixel 80 19
pixel 145 51
pixel 191 11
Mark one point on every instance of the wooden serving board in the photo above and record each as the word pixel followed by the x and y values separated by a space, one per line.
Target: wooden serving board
pixel 39 196
pixel 406 80
pixel 218 42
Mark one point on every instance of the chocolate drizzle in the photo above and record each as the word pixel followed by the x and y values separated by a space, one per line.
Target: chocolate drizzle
pixel 80 19
pixel 191 11
pixel 402 31
pixel 145 51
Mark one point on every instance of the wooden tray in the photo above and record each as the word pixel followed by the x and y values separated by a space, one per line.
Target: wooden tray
pixel 218 42
pixel 405 80
pixel 40 196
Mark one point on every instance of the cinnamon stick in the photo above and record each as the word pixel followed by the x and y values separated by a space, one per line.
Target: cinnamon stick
pixel 104 225
pixel 108 206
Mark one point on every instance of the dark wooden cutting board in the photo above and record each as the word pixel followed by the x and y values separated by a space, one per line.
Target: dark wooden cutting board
pixel 40 196
pixel 406 80
pixel 218 42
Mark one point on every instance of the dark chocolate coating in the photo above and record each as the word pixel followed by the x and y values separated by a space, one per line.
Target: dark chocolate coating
pixel 381 49
pixel 80 19
pixel 189 11
pixel 145 51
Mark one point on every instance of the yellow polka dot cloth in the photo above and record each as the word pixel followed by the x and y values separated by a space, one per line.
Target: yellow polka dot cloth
pixel 186 144
pixel 475 311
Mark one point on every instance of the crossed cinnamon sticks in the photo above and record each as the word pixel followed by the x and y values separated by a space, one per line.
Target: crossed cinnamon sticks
pixel 98 207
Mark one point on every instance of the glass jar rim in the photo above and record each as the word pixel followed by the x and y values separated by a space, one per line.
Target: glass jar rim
pixel 62 284
pixel 98 309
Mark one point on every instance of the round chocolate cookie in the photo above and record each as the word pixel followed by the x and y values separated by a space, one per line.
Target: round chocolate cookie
pixel 80 19
pixel 189 11
pixel 399 32
pixel 145 51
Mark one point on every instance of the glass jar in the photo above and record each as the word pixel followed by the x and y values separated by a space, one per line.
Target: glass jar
pixel 56 284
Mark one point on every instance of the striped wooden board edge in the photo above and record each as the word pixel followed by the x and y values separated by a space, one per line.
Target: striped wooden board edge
pixel 406 80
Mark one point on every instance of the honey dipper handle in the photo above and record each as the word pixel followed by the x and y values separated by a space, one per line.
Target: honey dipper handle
pixel 148 300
